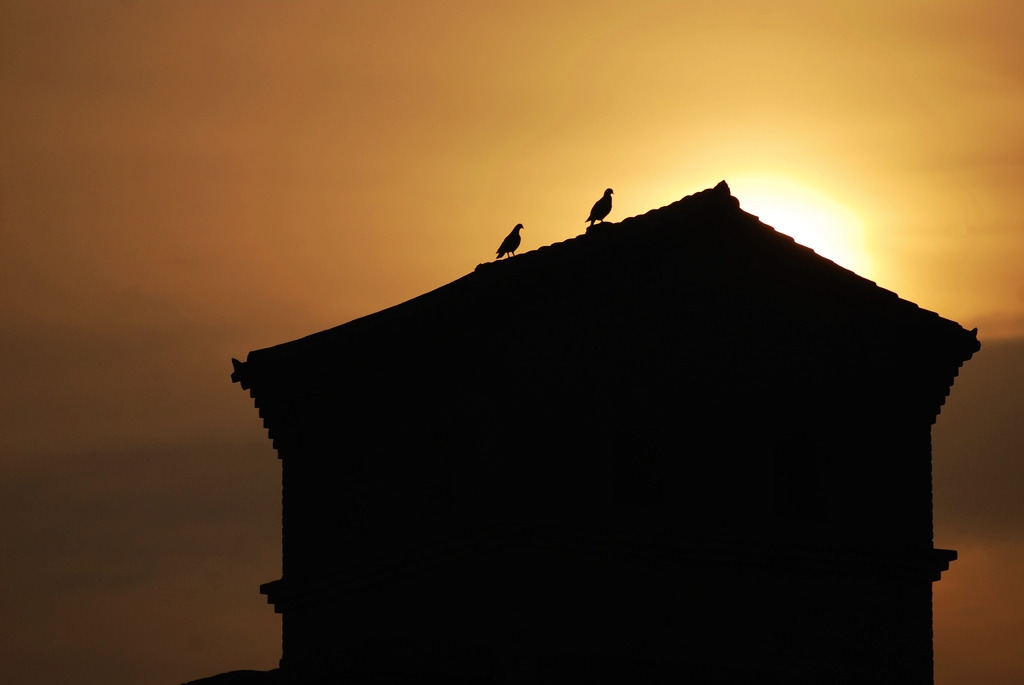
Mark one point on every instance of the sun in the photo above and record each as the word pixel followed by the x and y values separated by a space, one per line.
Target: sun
pixel 809 217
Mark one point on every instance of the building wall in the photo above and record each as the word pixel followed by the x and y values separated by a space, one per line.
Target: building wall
pixel 374 487
pixel 529 613
pixel 368 493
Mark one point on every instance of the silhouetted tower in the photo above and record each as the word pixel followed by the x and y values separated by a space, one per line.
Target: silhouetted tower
pixel 711 463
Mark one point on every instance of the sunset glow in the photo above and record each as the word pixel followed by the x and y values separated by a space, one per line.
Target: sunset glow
pixel 809 217
pixel 183 182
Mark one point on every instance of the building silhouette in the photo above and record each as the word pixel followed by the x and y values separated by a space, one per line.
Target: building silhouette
pixel 678 449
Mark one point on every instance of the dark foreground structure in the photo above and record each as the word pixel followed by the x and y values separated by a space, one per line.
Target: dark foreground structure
pixel 678 449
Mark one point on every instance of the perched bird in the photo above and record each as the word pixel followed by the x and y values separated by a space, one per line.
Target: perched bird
pixel 601 208
pixel 511 243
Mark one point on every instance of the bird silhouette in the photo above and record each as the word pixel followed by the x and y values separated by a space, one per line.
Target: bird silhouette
pixel 601 208
pixel 511 243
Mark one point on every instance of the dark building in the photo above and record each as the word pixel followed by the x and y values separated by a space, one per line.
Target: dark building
pixel 680 448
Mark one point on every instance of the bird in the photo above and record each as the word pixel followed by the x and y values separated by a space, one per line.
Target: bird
pixel 601 208
pixel 511 242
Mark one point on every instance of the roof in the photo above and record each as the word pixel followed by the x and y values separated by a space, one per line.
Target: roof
pixel 708 227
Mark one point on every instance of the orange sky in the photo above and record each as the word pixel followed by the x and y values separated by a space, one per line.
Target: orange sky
pixel 181 182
